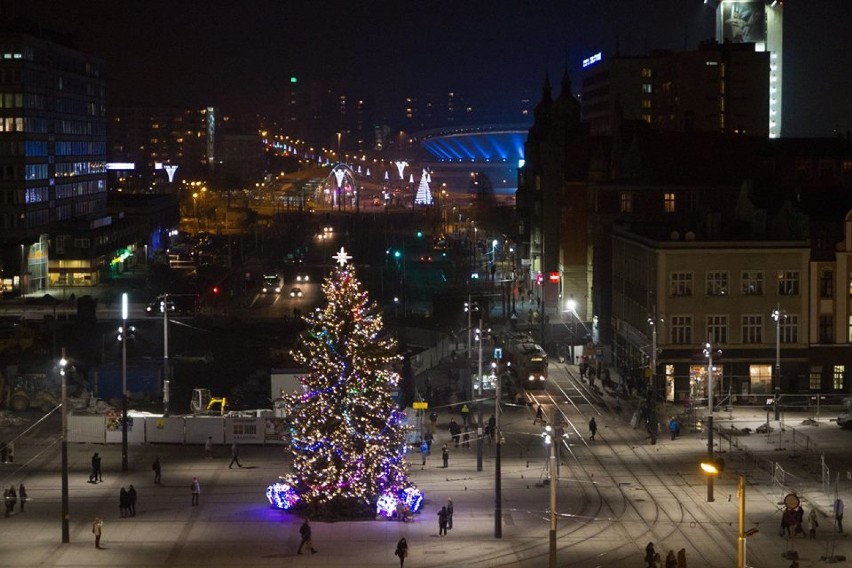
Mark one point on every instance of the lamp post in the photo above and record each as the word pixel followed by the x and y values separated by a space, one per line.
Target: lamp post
pixel 166 369
pixel 709 352
pixel 479 431
pixel 777 314
pixel 548 440
pixel 66 538
pixel 498 479
pixel 124 381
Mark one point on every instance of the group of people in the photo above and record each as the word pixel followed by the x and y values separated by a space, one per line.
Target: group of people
pixel 792 520
pixel 653 559
pixel 127 501
pixel 10 498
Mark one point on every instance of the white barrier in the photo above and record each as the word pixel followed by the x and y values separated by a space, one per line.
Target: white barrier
pixel 164 430
pixel 87 429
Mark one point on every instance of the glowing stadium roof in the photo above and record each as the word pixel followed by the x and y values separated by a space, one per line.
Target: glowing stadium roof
pixel 477 144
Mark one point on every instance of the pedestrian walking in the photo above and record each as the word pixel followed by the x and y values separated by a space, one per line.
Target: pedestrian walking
pixel 208 448
pixel 465 412
pixel 492 427
pixel 658 561
pixel 442 522
pixel 131 501
pixel 22 495
pixel 593 427
pixel 428 437
pixel 123 502
pixel 96 476
pixel 235 456
pixel 465 437
pixel 681 558
pixel 305 532
pixel 433 421
pixel 539 415
pixel 7 500
pixel 3 451
pixel 799 519
pixel 671 560
pixel 195 489
pixel 813 523
pixel 450 514
pixel 424 451
pixel 673 427
pixel 455 431
pixel 401 551
pixel 157 470
pixel 97 529
pixel 649 555
pixel 445 455
pixel 838 514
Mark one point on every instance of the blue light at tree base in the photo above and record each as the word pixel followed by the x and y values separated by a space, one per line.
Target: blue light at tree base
pixel 283 496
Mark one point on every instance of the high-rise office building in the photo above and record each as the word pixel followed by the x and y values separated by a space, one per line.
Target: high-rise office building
pixel 52 148
pixel 760 22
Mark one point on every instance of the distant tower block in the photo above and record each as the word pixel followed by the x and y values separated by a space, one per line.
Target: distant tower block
pixel 760 22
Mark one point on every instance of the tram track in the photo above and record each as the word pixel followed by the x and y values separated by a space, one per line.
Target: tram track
pixel 663 517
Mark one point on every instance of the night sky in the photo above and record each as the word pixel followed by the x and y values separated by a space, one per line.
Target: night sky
pixel 239 55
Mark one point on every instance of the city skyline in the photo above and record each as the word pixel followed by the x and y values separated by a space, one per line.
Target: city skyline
pixel 493 54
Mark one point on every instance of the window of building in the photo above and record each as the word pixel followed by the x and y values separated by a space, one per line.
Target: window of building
pixel 647 118
pixel 761 379
pixel 815 377
pixel 826 283
pixel 837 377
pixel 669 202
pixel 826 323
pixel 752 328
pixel 647 73
pixel 646 103
pixel 717 329
pixel 681 327
pixel 752 282
pixel 681 283
pixel 788 283
pixel 849 332
pixel 691 198
pixel 717 283
pixel 790 329
pixel 647 88
pixel 625 200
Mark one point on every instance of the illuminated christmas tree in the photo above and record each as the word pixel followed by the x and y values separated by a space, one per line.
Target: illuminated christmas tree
pixel 347 434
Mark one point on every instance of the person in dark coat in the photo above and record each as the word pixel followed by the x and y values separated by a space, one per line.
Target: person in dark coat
pixel 131 501
pixel 235 456
pixel 195 489
pixel 123 502
pixel 96 469
pixel 593 428
pixel 22 494
pixel 305 533
pixel 442 521
pixel 157 470
pixel 455 431
pixel 445 455
pixel 649 554
pixel 449 514
pixel 401 550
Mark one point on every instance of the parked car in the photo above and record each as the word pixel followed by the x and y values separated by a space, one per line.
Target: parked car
pixel 845 420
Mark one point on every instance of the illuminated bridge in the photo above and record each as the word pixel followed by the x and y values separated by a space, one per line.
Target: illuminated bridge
pixel 496 150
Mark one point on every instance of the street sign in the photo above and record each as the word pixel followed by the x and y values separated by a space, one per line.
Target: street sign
pixel 498 352
pixel 420 405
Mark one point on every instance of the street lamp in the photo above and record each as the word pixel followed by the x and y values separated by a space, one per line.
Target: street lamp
pixel 778 314
pixel 479 431
pixel 714 467
pixel 66 538
pixel 498 479
pixel 709 352
pixel 548 440
pixel 571 308
pixel 124 381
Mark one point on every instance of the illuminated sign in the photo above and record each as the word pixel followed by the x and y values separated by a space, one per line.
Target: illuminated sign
pixel 554 277
pixel 592 60
pixel 120 166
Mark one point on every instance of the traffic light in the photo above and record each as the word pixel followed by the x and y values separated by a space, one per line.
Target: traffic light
pixel 215 290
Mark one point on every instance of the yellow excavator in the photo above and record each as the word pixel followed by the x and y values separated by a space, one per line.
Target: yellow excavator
pixel 203 402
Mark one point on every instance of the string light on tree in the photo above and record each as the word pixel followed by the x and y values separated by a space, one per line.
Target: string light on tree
pixel 347 432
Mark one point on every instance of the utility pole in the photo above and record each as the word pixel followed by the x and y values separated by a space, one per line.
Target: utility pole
pixel 777 315
pixel 551 436
pixel 498 480
pixel 166 368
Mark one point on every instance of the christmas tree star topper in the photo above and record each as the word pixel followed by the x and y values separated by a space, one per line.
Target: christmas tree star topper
pixel 341 257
